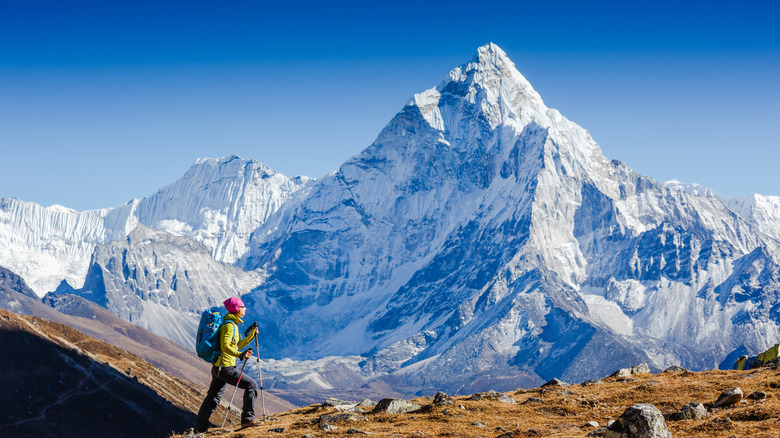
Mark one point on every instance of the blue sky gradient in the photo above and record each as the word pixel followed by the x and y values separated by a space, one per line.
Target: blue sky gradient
pixel 102 102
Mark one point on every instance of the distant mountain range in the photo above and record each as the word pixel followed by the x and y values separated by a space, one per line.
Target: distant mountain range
pixel 482 241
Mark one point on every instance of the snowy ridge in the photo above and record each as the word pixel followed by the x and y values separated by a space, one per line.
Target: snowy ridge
pixel 218 202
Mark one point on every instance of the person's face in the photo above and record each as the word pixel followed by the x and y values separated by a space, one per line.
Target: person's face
pixel 241 312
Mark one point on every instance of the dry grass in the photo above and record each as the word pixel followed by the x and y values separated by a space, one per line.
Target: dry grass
pixel 559 411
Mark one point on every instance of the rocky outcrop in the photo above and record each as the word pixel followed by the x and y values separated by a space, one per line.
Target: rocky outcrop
pixel 639 421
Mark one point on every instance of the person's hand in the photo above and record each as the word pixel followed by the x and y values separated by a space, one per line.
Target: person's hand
pixel 245 355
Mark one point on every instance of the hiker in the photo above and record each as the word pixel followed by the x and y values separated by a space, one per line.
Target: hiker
pixel 224 369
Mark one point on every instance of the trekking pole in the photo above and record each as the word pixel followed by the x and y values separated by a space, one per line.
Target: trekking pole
pixel 234 393
pixel 260 375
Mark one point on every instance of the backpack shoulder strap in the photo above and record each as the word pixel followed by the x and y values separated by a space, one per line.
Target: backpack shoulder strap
pixel 220 341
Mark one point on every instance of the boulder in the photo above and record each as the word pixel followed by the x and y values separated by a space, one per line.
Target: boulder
pixel 676 369
pixel 639 421
pixel 442 399
pixel 758 395
pixel 691 411
pixel 729 397
pixel 555 382
pixel 642 368
pixel 395 406
pixel 493 395
pixel 341 418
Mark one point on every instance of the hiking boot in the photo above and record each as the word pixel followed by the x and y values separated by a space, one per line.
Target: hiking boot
pixel 255 422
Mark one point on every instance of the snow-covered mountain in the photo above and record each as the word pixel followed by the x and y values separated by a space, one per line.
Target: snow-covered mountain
pixel 218 202
pixel 482 241
pixel 484 232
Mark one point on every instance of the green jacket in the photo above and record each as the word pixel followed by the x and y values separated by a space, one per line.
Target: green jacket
pixel 230 341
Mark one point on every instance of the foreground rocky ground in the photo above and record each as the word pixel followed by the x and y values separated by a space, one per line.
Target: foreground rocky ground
pixel 553 410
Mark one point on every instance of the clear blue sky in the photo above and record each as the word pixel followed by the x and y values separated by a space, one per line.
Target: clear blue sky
pixel 105 101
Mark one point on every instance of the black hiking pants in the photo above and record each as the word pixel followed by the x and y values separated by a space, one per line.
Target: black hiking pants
pixel 217 387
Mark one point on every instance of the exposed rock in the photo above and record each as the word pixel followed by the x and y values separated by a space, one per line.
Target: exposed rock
pixel 676 369
pixel 691 411
pixel 277 430
pixel 352 430
pixel 366 403
pixel 341 418
pixel 442 399
pixel 639 421
pixel 728 398
pixel 336 403
pixel 555 382
pixel 591 424
pixel 395 406
pixel 601 431
pixel 493 395
pixel 591 383
pixel 478 424
pixel 758 395
pixel 642 368
pixel 327 427
pixel 533 400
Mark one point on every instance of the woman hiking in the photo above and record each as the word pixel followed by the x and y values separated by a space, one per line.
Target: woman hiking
pixel 224 369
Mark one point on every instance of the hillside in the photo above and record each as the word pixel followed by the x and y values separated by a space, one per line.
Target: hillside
pixel 60 382
pixel 99 323
pixel 555 411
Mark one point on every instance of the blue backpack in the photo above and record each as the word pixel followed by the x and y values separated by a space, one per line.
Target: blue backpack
pixel 207 338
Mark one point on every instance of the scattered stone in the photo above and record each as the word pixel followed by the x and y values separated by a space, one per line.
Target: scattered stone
pixel 352 430
pixel 591 383
pixel 309 435
pixel 277 430
pixel 728 398
pixel 493 395
pixel 533 400
pixel 418 434
pixel 601 431
pixel 642 368
pixel 639 421
pixel 366 403
pixel 442 399
pixel 327 427
pixel 555 382
pixel 676 369
pixel 341 418
pixel 591 424
pixel 334 402
pixel 758 395
pixel 691 411
pixel 396 406
pixel 478 424
pixel 463 407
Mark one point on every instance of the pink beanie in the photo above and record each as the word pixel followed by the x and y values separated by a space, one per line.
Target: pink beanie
pixel 233 303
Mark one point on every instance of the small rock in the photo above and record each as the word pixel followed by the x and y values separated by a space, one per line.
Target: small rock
pixel 758 395
pixel 366 403
pixel 639 421
pixel 591 383
pixel 591 424
pixel 277 430
pixel 334 402
pixel 691 411
pixel 396 406
pixel 676 369
pixel 352 430
pixel 533 400
pixel 341 418
pixel 327 427
pixel 728 398
pixel 418 434
pixel 493 395
pixel 555 382
pixel 462 407
pixel 309 435
pixel 642 368
pixel 478 424
pixel 601 431
pixel 442 399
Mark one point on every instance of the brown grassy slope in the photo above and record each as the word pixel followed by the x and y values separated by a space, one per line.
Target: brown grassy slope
pixel 105 326
pixel 561 411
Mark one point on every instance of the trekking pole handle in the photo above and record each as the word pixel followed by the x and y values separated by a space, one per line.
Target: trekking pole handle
pixel 250 328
